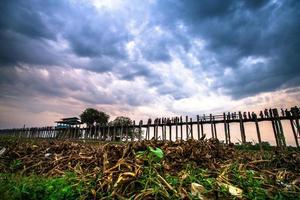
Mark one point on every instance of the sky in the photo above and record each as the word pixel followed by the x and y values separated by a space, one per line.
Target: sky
pixel 146 58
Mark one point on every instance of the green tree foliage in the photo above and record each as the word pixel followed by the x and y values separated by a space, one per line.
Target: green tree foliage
pixel 91 116
pixel 125 122
pixel 121 121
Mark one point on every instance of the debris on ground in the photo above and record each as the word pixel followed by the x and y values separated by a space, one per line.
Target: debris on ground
pixel 203 169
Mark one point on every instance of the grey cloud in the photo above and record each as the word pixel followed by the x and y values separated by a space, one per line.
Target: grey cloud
pixel 25 26
pixel 232 31
pixel 235 30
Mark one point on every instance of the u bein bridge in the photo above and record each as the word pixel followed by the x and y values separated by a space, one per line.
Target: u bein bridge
pixel 166 128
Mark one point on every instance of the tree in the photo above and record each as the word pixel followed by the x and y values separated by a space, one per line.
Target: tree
pixel 125 122
pixel 121 121
pixel 90 116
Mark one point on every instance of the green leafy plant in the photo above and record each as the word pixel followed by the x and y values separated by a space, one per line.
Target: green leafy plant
pixel 249 181
pixel 33 187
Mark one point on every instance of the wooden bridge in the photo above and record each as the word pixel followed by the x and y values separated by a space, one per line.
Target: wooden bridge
pixel 166 128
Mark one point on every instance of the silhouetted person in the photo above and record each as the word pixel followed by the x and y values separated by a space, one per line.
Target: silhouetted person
pixel 282 112
pixel 245 115
pixel 266 113
pixel 249 115
pixel 287 113
pixel 253 115
pixel 234 115
pixel 261 114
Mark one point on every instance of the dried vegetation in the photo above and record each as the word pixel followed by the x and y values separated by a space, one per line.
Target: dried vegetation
pixel 191 169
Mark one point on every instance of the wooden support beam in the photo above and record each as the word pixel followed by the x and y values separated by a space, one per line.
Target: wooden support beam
pixel 242 128
pixel 170 132
pixel 211 126
pixel 202 129
pixel 176 128
pixel 192 135
pixel 228 132
pixel 181 129
pixel 198 127
pixel 275 133
pixel 187 127
pixel 225 128
pixel 215 128
pixel 294 132
pixel 140 130
pixel 258 133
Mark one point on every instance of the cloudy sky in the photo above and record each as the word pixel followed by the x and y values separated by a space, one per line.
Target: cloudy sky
pixel 147 58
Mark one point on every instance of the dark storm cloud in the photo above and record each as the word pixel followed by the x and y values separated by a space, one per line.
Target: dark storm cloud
pixel 236 30
pixel 27 26
pixel 233 32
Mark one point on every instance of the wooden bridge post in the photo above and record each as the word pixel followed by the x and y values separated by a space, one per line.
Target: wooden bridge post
pixel 202 129
pixel 176 128
pixel 294 132
pixel 140 130
pixel 275 132
pixel 211 126
pixel 181 128
pixel 228 132
pixel 279 128
pixel 225 128
pixel 191 121
pixel 258 132
pixel 215 127
pixel 154 129
pixel 148 129
pixel 162 129
pixel 187 127
pixel 242 128
pixel 170 129
pixel 198 127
